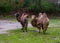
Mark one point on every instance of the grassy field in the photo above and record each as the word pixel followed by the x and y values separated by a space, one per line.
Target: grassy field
pixel 55 22
pixel 32 36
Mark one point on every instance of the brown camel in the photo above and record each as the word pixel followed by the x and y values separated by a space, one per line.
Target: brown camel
pixel 41 21
pixel 23 19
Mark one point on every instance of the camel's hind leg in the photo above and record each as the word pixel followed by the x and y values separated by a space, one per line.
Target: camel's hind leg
pixel 23 27
pixel 39 27
pixel 26 25
pixel 44 27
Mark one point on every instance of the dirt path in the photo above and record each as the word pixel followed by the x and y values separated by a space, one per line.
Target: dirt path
pixel 10 25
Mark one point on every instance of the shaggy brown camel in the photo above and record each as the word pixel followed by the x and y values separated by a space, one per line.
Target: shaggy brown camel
pixel 23 19
pixel 41 21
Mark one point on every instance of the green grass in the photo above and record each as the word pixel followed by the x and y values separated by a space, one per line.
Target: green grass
pixel 32 36
pixel 55 22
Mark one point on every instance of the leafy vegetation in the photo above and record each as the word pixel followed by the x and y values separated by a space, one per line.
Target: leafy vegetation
pixel 6 6
pixel 31 5
pixel 47 7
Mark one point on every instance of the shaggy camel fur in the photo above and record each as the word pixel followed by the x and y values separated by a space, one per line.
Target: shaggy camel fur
pixel 23 19
pixel 41 21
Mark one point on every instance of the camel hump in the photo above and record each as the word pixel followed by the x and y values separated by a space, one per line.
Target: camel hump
pixel 33 17
pixel 40 14
pixel 44 15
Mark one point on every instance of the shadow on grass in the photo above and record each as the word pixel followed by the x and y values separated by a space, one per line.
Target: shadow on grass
pixel 34 32
pixel 31 32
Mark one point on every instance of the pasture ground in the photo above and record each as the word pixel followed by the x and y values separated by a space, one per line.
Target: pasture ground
pixel 32 36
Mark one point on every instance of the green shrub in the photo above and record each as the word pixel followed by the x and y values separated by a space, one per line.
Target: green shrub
pixel 58 9
pixel 31 5
pixel 47 7
pixel 6 7
pixel 40 6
